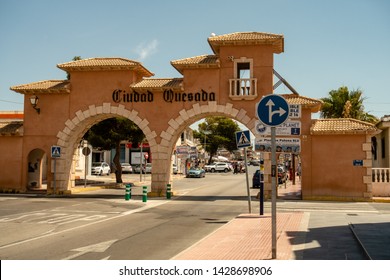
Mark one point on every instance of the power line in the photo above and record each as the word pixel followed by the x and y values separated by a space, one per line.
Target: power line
pixel 2 100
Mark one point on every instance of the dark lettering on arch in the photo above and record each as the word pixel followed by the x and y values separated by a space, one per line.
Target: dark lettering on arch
pixel 168 96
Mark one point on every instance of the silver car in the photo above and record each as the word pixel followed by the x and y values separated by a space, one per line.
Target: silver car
pixel 100 168
pixel 126 167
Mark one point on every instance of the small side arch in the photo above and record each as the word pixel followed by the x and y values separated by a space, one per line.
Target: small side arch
pixel 36 169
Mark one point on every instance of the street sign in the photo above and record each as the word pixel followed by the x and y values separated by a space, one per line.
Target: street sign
pixel 286 145
pixel 295 111
pixel 287 128
pixel 55 151
pixel 243 139
pixel 272 110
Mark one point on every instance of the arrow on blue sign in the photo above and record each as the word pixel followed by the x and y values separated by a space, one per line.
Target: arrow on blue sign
pixel 272 110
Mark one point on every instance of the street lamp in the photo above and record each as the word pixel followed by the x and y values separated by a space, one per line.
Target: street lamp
pixel 34 103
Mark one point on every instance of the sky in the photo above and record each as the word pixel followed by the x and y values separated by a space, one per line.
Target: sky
pixel 328 44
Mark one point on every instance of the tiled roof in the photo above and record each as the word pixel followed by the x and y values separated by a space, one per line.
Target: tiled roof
pixel 104 63
pixel 201 61
pixel 11 128
pixel 342 126
pixel 49 86
pixel 247 38
pixel 305 102
pixel 168 83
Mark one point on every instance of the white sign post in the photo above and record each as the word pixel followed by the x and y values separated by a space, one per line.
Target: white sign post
pixel 243 140
pixel 55 153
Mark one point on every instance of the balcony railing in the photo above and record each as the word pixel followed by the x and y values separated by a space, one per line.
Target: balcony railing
pixel 243 89
pixel 381 175
pixel 381 182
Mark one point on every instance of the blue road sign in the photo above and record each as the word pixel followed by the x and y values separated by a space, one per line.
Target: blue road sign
pixel 55 151
pixel 272 110
pixel 243 139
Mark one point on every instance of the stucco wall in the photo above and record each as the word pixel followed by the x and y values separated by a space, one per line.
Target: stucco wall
pixel 10 161
pixel 333 173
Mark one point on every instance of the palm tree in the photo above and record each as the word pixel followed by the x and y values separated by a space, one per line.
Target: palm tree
pixel 343 103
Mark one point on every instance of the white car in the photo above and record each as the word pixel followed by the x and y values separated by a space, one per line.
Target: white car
pixel 174 169
pixel 126 167
pixel 218 166
pixel 100 168
pixel 148 168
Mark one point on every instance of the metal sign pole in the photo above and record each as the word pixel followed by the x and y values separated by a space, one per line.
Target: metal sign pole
pixel 273 181
pixel 247 182
pixel 54 177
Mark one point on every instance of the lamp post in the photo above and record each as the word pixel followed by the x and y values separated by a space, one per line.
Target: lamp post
pixel 205 132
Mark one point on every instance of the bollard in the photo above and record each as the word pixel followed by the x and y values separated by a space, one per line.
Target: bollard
pixel 128 192
pixel 144 193
pixel 169 191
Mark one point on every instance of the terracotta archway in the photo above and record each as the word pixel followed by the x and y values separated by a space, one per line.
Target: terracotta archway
pixel 70 135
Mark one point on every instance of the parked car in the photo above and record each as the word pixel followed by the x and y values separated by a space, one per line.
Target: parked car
pixel 137 168
pixel 254 162
pixel 258 179
pixel 100 168
pixel 126 167
pixel 148 168
pixel 218 166
pixel 196 172
pixel 174 169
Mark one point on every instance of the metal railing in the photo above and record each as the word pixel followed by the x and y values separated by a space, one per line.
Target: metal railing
pixel 243 89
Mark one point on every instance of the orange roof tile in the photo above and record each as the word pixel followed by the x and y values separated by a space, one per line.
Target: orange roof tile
pixel 162 83
pixel 11 128
pixel 49 86
pixel 305 102
pixel 342 126
pixel 201 61
pixel 104 63
pixel 247 38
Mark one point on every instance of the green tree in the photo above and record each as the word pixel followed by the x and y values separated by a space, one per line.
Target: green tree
pixel 342 103
pixel 109 133
pixel 218 132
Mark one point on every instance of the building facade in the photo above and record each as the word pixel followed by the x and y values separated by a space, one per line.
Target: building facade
pixel 229 82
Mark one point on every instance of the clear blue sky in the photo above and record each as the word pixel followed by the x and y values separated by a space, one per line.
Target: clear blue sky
pixel 328 44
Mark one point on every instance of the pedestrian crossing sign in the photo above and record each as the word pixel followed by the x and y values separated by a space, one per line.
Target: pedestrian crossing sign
pixel 243 139
pixel 55 151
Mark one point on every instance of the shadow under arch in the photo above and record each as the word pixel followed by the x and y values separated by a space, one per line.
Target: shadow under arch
pixel 36 169
pixel 69 137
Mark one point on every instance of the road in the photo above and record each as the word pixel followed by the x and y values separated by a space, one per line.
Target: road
pixel 112 228
pixel 109 227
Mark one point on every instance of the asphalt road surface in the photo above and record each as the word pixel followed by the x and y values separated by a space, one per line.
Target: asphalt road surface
pixel 106 226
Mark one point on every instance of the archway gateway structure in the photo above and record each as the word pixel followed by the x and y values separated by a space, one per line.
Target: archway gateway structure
pixel 228 82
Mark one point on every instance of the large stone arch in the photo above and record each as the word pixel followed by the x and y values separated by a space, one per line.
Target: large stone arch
pixel 161 164
pixel 75 128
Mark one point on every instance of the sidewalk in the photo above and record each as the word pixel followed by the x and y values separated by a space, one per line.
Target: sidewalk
pixel 247 237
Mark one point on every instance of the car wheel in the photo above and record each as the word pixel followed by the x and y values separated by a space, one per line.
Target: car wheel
pixel 212 170
pixel 225 170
